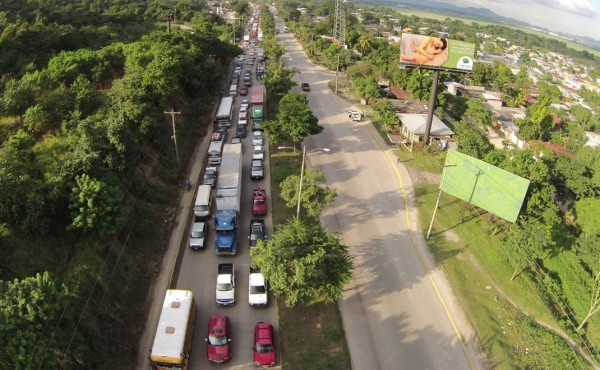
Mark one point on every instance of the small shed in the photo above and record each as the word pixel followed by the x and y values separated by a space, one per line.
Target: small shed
pixel 413 127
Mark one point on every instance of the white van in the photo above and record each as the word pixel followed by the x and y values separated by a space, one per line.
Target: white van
pixel 233 90
pixel 214 152
pixel 203 200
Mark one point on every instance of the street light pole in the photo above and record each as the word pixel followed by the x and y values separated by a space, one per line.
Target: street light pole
pixel 337 70
pixel 301 178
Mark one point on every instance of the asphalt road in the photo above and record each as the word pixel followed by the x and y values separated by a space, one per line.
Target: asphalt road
pixel 398 311
pixel 198 272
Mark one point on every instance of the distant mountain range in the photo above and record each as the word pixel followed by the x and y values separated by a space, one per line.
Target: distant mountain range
pixel 478 13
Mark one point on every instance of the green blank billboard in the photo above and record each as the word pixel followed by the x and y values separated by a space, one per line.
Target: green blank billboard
pixel 479 183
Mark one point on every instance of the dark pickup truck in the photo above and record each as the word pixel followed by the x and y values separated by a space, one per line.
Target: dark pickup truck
pixel 305 86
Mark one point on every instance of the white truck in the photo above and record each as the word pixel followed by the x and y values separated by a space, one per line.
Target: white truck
pixel 225 284
pixel 229 185
pixel 257 288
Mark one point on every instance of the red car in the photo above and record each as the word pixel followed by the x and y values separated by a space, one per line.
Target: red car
pixel 259 202
pixel 264 345
pixel 218 340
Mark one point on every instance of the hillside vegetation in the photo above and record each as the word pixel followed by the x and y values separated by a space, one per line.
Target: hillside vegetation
pixel 88 172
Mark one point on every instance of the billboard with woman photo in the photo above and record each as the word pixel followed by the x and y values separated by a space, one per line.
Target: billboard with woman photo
pixel 436 52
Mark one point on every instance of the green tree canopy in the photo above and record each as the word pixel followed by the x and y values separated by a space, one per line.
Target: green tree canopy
pixel 38 323
pixel 96 204
pixel 295 120
pixel 303 262
pixel 315 196
pixel 471 141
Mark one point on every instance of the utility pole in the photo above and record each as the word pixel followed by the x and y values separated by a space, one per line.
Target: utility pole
pixel 337 70
pixel 172 113
pixel 169 17
pixel 301 179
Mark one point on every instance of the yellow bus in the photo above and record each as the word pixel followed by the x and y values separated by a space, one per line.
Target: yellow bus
pixel 173 339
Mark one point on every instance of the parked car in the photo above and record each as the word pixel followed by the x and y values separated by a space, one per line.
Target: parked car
pixel 243 91
pixel 243 111
pixel 210 176
pixel 240 131
pixel 257 232
pixel 218 339
pixel 248 83
pixel 257 171
pixel 305 86
pixel 258 153
pixel 245 104
pixel 264 344
pixel 198 235
pixel 242 120
pixel 257 138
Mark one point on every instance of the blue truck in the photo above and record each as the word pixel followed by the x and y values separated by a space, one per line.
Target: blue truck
pixel 226 226
pixel 228 197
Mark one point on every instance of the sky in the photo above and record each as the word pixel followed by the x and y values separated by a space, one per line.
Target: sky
pixel 576 17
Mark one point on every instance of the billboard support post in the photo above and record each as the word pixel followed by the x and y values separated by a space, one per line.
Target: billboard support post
pixel 434 87
pixel 437 202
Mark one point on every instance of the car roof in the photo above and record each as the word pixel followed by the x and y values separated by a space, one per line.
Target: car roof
pixel 198 226
pixel 218 324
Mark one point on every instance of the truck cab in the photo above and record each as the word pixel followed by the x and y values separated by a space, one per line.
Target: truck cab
pixel 226 227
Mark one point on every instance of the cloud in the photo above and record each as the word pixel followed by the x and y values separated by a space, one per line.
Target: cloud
pixel 580 7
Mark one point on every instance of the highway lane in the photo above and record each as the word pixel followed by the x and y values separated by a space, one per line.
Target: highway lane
pixel 398 311
pixel 198 272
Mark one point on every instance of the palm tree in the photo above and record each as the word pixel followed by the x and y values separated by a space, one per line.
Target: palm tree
pixel 363 44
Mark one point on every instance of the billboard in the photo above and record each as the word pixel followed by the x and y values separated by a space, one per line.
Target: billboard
pixel 436 52
pixel 484 185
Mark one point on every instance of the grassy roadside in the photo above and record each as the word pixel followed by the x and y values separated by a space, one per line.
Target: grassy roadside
pixel 514 325
pixel 312 335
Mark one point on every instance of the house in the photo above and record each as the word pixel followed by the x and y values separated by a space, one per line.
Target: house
pixel 493 100
pixel 413 126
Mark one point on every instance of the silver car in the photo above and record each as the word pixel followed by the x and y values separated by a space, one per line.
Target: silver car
pixel 198 235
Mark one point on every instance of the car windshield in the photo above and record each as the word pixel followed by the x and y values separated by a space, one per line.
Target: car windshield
pixel 259 201
pixel 197 234
pixel 256 168
pixel 257 289
pixel 264 348
pixel 209 176
pixel 256 236
pixel 224 287
pixel 217 341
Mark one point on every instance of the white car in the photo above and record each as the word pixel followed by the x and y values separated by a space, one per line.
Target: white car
pixel 243 111
pixel 258 153
pixel 198 234
pixel 257 138
pixel 245 104
pixel 243 121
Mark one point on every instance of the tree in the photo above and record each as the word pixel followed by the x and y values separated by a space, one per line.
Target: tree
pixel 588 218
pixel 386 114
pixel 278 79
pixel 95 205
pixel 38 322
pixel 526 243
pixel 581 174
pixel 16 98
pixel 366 88
pixel 303 262
pixel 471 141
pixel 364 44
pixel 477 113
pixel 419 84
pixel 295 120
pixel 588 251
pixel 315 197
